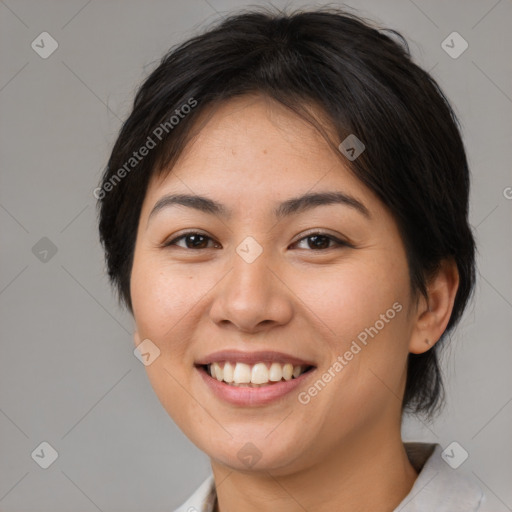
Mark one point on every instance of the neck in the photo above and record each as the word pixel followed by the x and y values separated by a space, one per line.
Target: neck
pixel 363 475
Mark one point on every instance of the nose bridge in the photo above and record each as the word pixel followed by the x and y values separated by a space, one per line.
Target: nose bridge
pixel 251 295
pixel 251 268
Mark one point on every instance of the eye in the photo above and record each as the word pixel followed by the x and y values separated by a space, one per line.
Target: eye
pixel 193 240
pixel 321 241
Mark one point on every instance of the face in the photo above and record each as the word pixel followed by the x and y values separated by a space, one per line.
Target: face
pixel 310 301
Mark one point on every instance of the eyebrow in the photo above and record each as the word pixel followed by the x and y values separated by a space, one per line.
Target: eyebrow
pixel 292 206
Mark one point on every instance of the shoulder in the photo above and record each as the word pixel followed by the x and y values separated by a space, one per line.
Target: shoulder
pixel 440 486
pixel 202 500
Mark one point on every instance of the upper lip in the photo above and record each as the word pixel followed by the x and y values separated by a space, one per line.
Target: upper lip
pixel 252 357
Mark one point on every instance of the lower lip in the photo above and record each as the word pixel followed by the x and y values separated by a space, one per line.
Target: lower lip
pixel 246 396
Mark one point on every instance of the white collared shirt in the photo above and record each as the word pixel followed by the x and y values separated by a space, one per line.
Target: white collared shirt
pixel 438 487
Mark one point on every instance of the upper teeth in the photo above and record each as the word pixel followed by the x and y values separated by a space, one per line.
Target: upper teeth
pixel 260 373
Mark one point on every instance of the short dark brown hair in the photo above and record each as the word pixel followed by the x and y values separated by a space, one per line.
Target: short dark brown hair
pixel 361 77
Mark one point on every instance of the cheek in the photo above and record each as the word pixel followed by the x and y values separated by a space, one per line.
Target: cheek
pixel 361 311
pixel 161 295
pixel 348 299
pixel 162 303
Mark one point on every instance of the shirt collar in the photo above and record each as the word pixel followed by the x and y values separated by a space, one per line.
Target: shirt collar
pixel 438 486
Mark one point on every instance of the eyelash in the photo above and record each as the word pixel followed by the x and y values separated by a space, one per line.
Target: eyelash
pixel 339 243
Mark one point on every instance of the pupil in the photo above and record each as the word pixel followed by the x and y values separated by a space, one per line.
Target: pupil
pixel 320 245
pixel 195 240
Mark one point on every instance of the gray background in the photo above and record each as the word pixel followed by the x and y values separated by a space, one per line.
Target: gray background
pixel 68 375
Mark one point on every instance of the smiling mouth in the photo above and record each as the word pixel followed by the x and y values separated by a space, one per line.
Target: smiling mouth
pixel 261 374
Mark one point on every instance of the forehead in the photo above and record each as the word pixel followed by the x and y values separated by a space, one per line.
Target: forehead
pixel 253 143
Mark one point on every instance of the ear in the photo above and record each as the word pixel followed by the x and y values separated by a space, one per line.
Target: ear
pixel 433 314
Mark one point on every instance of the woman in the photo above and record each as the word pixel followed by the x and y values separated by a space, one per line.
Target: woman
pixel 285 214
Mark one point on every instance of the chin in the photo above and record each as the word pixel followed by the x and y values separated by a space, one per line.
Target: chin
pixel 254 453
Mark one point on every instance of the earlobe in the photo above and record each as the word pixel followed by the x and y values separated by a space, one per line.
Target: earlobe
pixel 434 313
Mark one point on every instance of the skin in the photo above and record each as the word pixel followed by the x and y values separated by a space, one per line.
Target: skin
pixel 343 450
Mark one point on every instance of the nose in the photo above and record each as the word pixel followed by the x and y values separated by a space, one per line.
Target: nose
pixel 253 296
